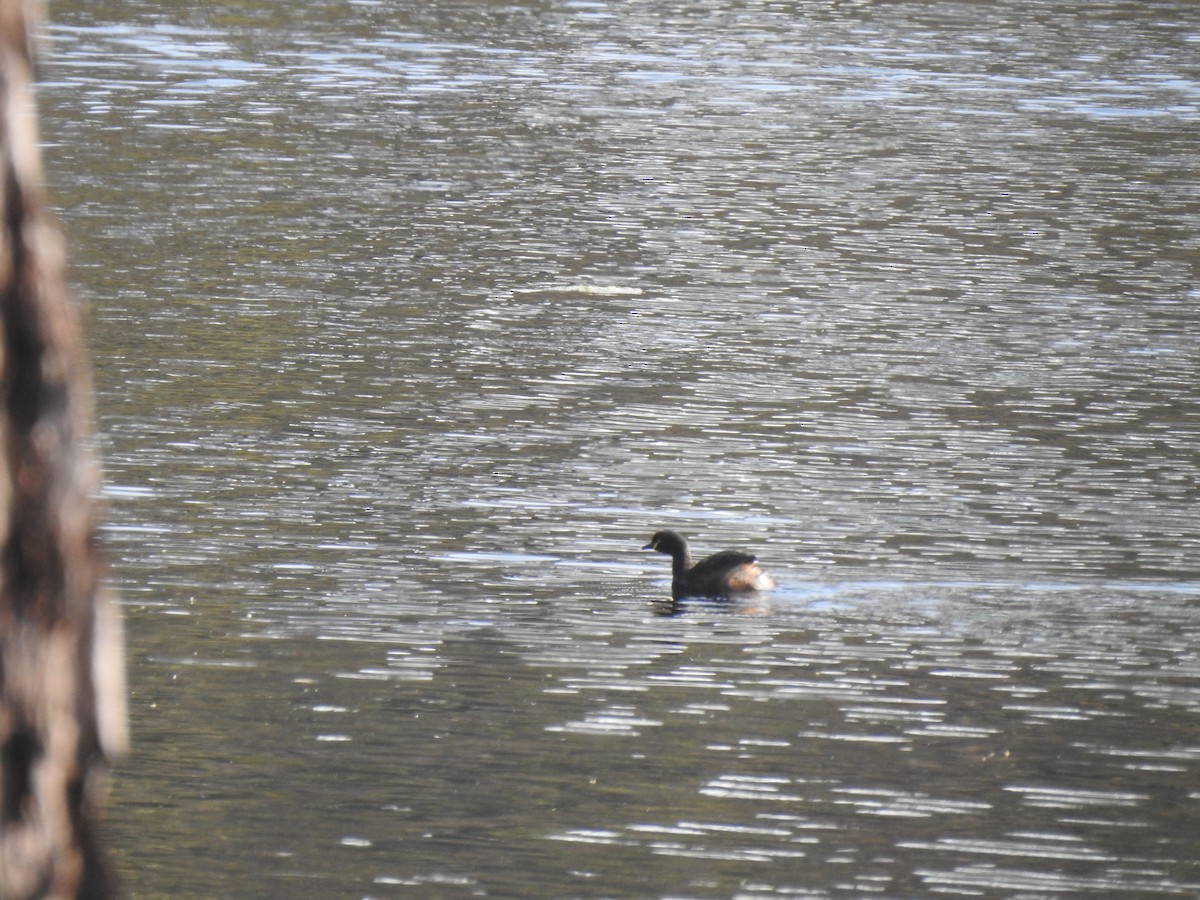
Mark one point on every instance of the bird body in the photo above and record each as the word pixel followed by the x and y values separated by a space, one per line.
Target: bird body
pixel 723 574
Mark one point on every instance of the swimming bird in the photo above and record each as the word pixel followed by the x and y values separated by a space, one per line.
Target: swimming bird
pixel 720 575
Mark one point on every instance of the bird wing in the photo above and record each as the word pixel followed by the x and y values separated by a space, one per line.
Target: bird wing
pixel 719 562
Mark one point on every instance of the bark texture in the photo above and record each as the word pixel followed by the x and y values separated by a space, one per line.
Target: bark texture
pixel 62 713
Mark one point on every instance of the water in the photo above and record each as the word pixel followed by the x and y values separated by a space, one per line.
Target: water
pixel 410 326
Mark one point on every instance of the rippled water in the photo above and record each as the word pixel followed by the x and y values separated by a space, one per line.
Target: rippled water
pixel 411 325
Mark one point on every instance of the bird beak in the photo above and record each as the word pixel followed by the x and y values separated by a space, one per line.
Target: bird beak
pixel 649 546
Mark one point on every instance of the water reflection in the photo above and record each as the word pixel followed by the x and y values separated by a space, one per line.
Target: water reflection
pixel 411 324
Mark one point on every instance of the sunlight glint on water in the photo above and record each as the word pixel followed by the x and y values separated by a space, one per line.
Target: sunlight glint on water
pixel 411 325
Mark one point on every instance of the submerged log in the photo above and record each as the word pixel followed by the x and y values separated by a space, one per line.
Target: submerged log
pixel 62 714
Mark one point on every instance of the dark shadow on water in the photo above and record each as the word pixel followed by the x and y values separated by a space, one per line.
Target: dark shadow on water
pixel 745 605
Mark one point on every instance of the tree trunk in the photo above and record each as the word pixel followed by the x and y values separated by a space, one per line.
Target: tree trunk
pixel 62 714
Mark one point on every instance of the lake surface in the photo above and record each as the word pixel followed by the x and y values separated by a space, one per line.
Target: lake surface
pixel 411 325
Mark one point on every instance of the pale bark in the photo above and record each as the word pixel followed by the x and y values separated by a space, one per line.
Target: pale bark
pixel 62 713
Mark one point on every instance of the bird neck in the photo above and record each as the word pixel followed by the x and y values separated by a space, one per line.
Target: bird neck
pixel 681 561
